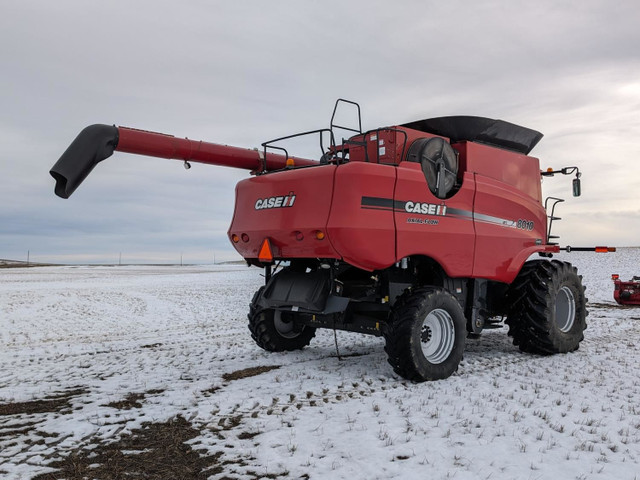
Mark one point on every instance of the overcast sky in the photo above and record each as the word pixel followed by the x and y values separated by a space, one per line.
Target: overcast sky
pixel 243 72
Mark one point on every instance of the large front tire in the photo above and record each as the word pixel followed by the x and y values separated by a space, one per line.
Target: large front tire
pixel 426 334
pixel 547 308
pixel 277 331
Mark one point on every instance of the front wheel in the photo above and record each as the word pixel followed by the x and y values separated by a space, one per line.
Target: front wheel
pixel 547 308
pixel 426 334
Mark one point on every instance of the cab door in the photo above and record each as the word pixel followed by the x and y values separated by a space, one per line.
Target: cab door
pixel 426 225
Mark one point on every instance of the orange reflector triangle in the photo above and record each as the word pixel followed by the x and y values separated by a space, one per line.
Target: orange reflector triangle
pixel 265 255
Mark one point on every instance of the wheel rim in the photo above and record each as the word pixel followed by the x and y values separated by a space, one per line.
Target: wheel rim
pixel 437 336
pixel 284 325
pixel 565 309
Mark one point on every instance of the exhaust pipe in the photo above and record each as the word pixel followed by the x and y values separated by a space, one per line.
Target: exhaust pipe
pixel 91 146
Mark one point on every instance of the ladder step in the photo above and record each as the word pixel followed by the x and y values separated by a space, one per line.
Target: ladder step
pixel 555 218
pixel 553 236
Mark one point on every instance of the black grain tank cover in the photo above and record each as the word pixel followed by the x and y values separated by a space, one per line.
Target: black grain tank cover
pixel 497 133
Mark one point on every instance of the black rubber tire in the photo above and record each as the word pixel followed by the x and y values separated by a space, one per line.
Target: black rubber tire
pixel 408 327
pixel 253 307
pixel 547 308
pixel 262 325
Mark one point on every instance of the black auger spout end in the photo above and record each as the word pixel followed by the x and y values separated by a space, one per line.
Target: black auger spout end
pixel 91 146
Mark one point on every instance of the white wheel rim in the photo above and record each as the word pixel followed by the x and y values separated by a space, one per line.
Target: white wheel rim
pixel 565 309
pixel 437 336
pixel 284 328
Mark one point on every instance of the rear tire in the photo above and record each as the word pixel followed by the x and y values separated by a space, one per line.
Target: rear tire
pixel 277 331
pixel 425 337
pixel 547 308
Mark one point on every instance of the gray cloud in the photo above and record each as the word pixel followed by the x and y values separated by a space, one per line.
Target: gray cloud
pixel 243 72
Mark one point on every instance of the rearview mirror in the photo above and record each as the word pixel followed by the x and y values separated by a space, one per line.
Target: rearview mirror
pixel 576 187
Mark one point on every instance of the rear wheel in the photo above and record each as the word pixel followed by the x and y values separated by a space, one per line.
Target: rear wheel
pixel 426 335
pixel 277 331
pixel 547 308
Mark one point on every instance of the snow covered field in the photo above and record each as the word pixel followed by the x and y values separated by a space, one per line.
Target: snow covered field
pixel 108 371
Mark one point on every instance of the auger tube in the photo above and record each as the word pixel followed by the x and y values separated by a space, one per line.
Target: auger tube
pixel 98 142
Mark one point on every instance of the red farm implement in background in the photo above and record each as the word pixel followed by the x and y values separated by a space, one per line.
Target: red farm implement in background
pixel 419 232
pixel 626 293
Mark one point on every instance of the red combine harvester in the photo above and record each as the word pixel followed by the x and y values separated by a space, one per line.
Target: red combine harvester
pixel 626 293
pixel 420 233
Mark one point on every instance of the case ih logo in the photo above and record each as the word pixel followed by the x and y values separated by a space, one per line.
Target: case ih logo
pixel 421 208
pixel 425 208
pixel 276 202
